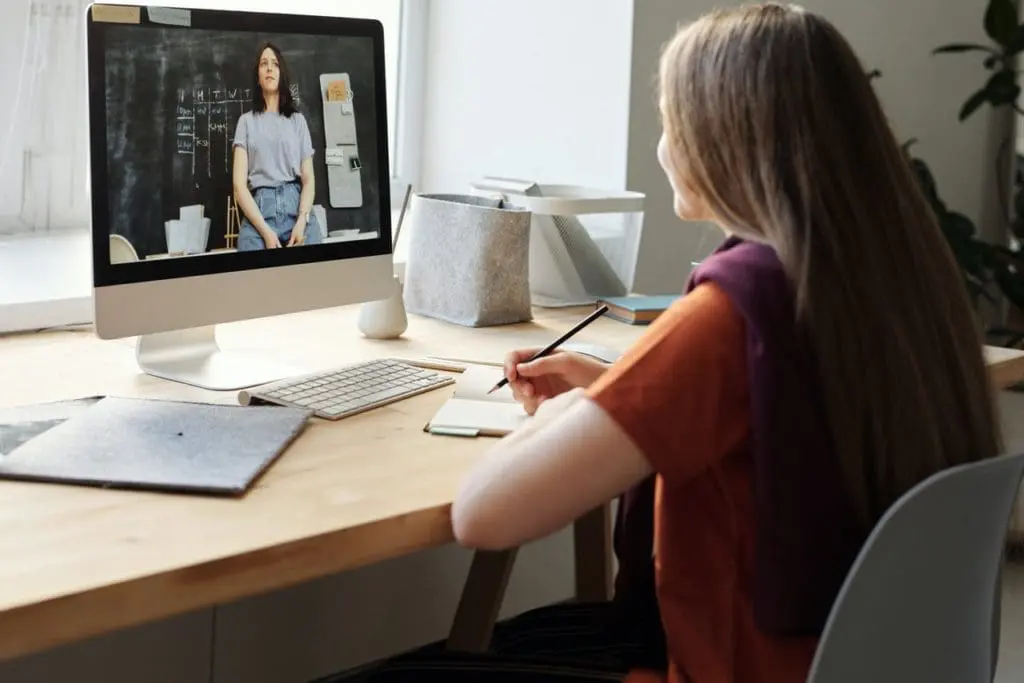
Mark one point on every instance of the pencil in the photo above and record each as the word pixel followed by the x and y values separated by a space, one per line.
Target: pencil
pixel 467 361
pixel 433 364
pixel 558 342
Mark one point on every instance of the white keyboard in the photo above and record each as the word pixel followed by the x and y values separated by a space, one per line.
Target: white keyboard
pixel 341 392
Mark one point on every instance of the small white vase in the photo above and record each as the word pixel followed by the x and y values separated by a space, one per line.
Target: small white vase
pixel 384 319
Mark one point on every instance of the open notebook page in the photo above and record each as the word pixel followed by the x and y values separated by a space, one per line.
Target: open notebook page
pixel 477 380
pixel 470 411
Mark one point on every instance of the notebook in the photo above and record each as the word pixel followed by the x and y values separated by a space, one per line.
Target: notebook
pixel 471 412
pixel 637 310
pixel 157 445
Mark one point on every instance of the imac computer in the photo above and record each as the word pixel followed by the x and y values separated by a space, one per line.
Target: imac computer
pixel 239 169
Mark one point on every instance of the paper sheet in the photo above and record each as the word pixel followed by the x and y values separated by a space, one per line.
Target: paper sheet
pixel 337 91
pixel 472 412
pixel 477 380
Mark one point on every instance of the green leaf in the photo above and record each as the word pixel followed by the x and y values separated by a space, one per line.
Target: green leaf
pixel 974 290
pixel 926 182
pixel 962 47
pixel 958 225
pixel 1016 45
pixel 1001 21
pixel 1017 226
pixel 973 102
pixel 1014 341
pixel 1007 257
pixel 1002 88
pixel 978 288
pixel 1018 203
pixel 1012 286
pixel 1013 337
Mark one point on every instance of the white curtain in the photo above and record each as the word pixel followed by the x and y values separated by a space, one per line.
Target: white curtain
pixel 44 134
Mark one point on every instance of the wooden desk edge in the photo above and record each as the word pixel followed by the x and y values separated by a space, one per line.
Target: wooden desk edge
pixel 40 626
pixel 1007 375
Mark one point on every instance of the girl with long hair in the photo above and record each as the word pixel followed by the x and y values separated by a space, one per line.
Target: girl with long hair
pixel 823 361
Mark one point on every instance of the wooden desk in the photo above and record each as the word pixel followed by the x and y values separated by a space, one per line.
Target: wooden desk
pixel 77 562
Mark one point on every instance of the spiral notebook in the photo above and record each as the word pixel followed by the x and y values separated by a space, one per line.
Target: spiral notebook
pixel 472 412
pixel 148 444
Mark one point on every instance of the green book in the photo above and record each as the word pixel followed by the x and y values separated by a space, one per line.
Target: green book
pixel 638 310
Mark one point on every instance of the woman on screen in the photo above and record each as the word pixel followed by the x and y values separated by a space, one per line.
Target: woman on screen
pixel 273 163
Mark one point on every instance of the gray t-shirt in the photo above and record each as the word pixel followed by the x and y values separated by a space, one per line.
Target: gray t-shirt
pixel 276 145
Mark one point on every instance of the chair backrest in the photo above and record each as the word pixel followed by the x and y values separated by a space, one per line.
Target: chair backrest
pixel 918 603
pixel 121 250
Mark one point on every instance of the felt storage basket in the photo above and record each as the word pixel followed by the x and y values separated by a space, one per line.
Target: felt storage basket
pixel 469 260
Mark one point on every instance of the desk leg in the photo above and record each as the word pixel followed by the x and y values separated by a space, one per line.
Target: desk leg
pixel 481 600
pixel 488 578
pixel 592 537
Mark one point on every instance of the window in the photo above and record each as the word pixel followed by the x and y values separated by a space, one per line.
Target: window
pixel 44 137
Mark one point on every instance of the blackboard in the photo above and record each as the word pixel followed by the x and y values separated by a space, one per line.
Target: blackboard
pixel 173 99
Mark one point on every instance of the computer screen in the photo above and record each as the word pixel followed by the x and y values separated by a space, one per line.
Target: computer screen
pixel 235 140
pixel 238 169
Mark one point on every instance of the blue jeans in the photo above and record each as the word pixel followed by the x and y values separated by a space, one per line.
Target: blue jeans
pixel 279 207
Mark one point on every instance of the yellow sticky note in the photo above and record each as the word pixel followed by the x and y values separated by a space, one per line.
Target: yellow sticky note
pixel 337 91
pixel 117 14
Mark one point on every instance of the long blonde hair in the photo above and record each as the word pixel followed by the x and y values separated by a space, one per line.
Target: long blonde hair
pixel 771 119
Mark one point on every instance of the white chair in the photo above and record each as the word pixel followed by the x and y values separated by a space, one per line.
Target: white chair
pixel 121 250
pixel 920 604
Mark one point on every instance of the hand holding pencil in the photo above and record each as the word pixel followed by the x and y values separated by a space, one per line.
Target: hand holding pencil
pixel 538 374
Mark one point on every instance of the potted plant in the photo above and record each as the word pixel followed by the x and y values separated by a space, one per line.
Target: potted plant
pixel 989 267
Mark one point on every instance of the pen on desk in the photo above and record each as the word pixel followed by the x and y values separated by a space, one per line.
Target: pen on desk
pixel 434 364
pixel 467 361
pixel 558 342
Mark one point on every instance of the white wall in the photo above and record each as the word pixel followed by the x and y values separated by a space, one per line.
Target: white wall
pixel 527 88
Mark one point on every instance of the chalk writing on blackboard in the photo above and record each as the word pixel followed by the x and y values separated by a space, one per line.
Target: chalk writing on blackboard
pixel 205 120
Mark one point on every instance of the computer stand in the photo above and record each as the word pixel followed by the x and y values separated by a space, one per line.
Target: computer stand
pixel 193 357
